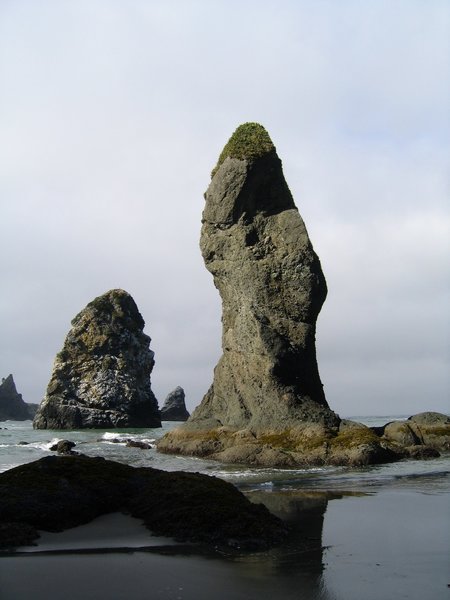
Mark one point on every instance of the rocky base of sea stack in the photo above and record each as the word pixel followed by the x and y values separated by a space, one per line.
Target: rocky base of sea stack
pixel 59 492
pixel 310 444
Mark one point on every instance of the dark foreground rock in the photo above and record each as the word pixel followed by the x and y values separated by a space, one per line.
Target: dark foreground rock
pixel 351 443
pixel 12 405
pixel 58 492
pixel 174 407
pixel 101 377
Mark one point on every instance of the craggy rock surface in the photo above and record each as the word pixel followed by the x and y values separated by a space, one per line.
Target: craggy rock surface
pixel 308 444
pixel 101 377
pixel 255 244
pixel 58 492
pixel 421 434
pixel 174 407
pixel 12 405
pixel 266 405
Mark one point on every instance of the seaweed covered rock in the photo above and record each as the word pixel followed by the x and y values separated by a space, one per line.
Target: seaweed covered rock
pixel 12 405
pixel 101 377
pixel 59 492
pixel 174 407
pixel 421 434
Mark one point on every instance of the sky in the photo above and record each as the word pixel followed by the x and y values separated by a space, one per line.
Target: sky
pixel 112 115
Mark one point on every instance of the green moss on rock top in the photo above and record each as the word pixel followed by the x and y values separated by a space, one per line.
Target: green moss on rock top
pixel 249 142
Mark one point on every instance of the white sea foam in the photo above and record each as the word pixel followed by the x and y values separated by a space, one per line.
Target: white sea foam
pixel 6 466
pixel 110 436
pixel 120 438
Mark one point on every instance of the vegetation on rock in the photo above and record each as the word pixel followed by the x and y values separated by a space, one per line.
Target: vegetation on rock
pixel 249 142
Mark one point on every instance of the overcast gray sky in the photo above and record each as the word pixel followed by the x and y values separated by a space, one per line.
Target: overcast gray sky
pixel 112 114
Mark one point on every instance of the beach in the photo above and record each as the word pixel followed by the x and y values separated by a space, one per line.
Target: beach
pixel 374 533
pixel 392 544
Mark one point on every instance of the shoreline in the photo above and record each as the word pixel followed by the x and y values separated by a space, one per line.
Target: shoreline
pixel 391 543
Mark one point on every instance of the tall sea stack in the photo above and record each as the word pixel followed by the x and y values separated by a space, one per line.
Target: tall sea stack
pixel 101 377
pixel 255 244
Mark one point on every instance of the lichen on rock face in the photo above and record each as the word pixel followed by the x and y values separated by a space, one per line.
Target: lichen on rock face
pixel 101 377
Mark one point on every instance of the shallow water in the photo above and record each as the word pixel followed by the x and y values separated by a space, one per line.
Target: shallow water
pixel 378 533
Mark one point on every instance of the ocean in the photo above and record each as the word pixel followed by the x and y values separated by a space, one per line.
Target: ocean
pixel 379 533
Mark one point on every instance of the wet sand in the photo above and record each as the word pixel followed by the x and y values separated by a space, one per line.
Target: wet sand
pixel 390 545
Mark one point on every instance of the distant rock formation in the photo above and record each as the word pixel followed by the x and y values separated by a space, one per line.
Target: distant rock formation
pixel 12 406
pixel 174 408
pixel 101 377
pixel 32 409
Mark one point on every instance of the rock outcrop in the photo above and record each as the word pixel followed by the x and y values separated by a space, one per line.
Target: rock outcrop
pixel 12 405
pixel 174 407
pixel 101 377
pixel 59 492
pixel 266 405
pixel 64 447
pixel 422 435
pixel 255 244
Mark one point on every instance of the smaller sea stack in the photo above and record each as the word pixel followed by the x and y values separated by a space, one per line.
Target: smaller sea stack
pixel 174 407
pixel 101 377
pixel 12 406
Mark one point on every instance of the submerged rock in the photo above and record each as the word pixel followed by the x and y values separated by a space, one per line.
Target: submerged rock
pixel 174 407
pixel 101 377
pixel 12 405
pixel 63 447
pixel 59 492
